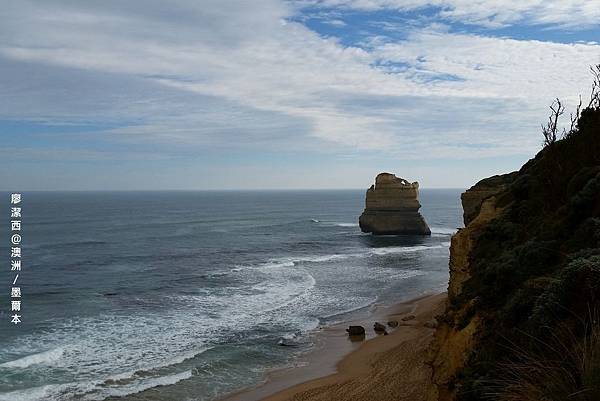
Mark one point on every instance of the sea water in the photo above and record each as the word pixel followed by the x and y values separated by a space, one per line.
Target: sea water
pixel 186 295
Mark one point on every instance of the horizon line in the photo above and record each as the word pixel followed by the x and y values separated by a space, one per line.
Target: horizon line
pixel 206 190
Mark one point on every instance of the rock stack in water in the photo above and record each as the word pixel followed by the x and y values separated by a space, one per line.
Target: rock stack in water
pixel 392 207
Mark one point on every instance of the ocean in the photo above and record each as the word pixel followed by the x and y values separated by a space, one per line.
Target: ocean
pixel 186 295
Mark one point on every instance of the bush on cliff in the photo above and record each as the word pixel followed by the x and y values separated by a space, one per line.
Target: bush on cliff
pixel 535 277
pixel 561 365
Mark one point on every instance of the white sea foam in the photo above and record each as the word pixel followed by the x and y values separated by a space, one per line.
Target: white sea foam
pixel 145 384
pixel 443 230
pixel 407 274
pixel 49 392
pixel 31 394
pixel 315 259
pixel 185 356
pixel 280 292
pixel 293 261
pixel 277 263
pixel 90 390
pixel 131 375
pixel 388 250
pixel 335 223
pixel 402 249
pixel 166 380
pixel 45 357
pixel 363 305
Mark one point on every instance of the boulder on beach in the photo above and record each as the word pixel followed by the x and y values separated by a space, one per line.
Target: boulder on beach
pixel 392 207
pixel 356 330
pixel 432 324
pixel 378 327
pixel 392 323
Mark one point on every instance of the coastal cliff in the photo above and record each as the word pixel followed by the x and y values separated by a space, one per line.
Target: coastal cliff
pixel 521 322
pixel 392 207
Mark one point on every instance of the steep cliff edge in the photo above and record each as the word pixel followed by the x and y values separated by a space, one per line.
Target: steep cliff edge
pixel 392 207
pixel 525 281
pixel 455 337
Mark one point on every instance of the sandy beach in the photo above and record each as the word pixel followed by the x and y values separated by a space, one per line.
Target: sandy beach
pixel 383 367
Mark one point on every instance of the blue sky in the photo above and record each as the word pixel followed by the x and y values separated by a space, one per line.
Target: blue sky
pixel 221 94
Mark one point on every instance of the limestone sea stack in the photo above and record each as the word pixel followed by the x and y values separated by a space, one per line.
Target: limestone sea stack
pixel 392 207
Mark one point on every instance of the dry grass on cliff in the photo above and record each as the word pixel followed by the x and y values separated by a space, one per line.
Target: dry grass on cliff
pixel 563 367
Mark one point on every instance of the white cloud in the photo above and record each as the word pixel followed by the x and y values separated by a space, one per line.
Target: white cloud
pixel 228 73
pixel 335 22
pixel 493 13
pixel 496 67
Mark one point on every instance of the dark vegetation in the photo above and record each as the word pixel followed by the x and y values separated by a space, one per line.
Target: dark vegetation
pixel 536 273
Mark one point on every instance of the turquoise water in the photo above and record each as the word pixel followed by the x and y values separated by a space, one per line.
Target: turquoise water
pixel 186 295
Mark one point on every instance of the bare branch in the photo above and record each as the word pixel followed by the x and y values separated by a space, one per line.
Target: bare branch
pixel 595 95
pixel 550 129
pixel 575 119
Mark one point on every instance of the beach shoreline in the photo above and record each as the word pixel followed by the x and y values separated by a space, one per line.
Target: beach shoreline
pixel 338 366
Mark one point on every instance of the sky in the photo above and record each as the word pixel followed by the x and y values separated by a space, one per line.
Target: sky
pixel 273 94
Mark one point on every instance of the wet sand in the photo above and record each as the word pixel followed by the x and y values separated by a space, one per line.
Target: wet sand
pixel 389 367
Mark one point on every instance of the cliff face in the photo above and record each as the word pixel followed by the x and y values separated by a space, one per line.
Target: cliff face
pixel 392 207
pixel 473 198
pixel 524 273
pixel 455 336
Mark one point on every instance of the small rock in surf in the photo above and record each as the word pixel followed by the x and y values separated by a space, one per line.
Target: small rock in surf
pixel 356 330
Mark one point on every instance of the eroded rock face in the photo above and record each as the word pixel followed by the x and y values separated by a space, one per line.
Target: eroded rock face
pixel 521 270
pixel 454 340
pixel 392 207
pixel 472 199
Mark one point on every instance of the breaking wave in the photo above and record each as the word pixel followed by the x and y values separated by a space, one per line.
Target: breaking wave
pixel 34 359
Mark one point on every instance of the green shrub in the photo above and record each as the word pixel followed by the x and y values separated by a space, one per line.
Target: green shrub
pixel 535 271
